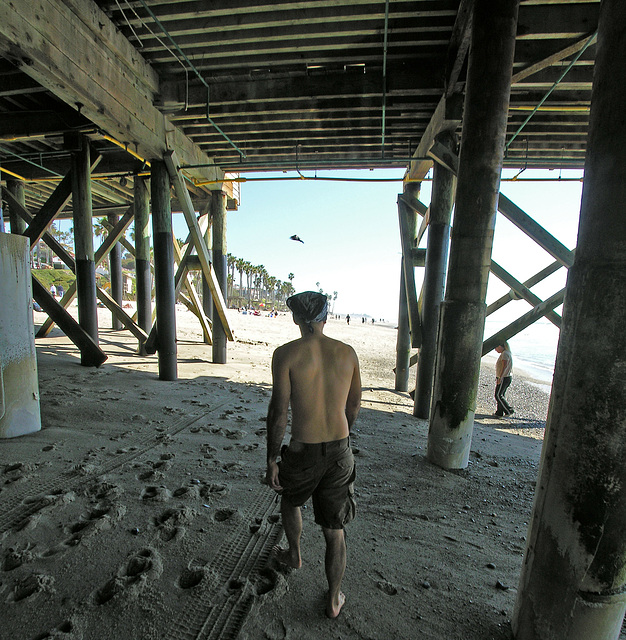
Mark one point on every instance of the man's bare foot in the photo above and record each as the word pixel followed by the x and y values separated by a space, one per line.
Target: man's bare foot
pixel 286 556
pixel 333 609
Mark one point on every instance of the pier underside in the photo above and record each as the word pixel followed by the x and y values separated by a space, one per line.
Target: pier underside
pixel 133 110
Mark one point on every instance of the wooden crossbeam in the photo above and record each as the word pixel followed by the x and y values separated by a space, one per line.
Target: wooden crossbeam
pixel 102 252
pixel 91 354
pixel 193 296
pixel 523 291
pixel 535 231
pixel 531 282
pixel 179 278
pixel 523 321
pixel 48 238
pixel 55 204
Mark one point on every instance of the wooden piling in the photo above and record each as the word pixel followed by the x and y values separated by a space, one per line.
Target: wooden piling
pixel 143 277
pixel 218 217
pixel 115 271
pixel 444 183
pixel 16 188
pixel 463 311
pixel 83 244
pixel 164 271
pixel 573 582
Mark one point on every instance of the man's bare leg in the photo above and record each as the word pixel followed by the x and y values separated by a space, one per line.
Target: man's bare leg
pixel 292 524
pixel 335 563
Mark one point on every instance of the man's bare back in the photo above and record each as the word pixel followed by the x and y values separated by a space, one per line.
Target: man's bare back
pixel 323 378
pixel 319 377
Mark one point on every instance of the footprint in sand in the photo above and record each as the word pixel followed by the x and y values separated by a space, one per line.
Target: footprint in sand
pixel 171 523
pixel 195 576
pixel 104 490
pixel 132 577
pixel 226 515
pixel 387 587
pixel 15 558
pixel 31 586
pixel 214 489
pixel 267 581
pixel 64 630
pixel 158 494
pixel 187 492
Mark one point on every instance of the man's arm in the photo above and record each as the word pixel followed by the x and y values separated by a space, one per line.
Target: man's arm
pixel 353 403
pixel 277 415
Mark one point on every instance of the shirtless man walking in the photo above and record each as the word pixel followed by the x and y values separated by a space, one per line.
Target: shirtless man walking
pixel 320 377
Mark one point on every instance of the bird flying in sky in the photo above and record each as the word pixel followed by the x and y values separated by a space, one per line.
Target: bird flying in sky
pixel 296 238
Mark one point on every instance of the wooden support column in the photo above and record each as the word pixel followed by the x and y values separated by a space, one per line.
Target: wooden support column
pixel 143 281
pixel 16 188
pixel 218 226
pixel 207 298
pixel 463 311
pixel 164 271
pixel 444 182
pixel 403 341
pixel 115 271
pixel 573 581
pixel 83 243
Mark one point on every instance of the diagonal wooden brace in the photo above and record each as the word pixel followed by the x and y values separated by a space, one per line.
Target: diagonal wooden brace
pixel 101 254
pixel 92 355
pixel 193 296
pixel 197 240
pixel 54 205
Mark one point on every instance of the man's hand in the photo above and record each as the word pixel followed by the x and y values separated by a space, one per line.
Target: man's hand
pixel 271 476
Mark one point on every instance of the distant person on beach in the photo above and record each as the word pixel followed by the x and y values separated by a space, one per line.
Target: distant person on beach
pixel 504 368
pixel 321 380
pixel 348 318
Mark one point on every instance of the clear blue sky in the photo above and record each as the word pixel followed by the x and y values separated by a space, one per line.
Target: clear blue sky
pixel 351 238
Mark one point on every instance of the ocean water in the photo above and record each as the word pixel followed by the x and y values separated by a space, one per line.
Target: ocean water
pixel 534 349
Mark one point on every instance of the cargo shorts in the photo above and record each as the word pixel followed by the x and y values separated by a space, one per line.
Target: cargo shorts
pixel 324 470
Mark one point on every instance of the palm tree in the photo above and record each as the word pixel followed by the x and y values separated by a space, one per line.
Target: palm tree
pixel 249 270
pixel 100 227
pixel 240 264
pixel 271 287
pixel 230 278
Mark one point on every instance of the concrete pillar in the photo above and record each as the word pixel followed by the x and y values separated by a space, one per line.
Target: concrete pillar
pixel 164 271
pixel 143 276
pixel 444 183
pixel 115 271
pixel 463 311
pixel 19 389
pixel 403 341
pixel 83 244
pixel 218 217
pixel 573 582
pixel 16 188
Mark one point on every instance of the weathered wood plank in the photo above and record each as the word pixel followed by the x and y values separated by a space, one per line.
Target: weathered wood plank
pixel 75 51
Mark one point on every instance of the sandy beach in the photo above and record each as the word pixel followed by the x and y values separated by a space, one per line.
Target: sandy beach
pixel 138 510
